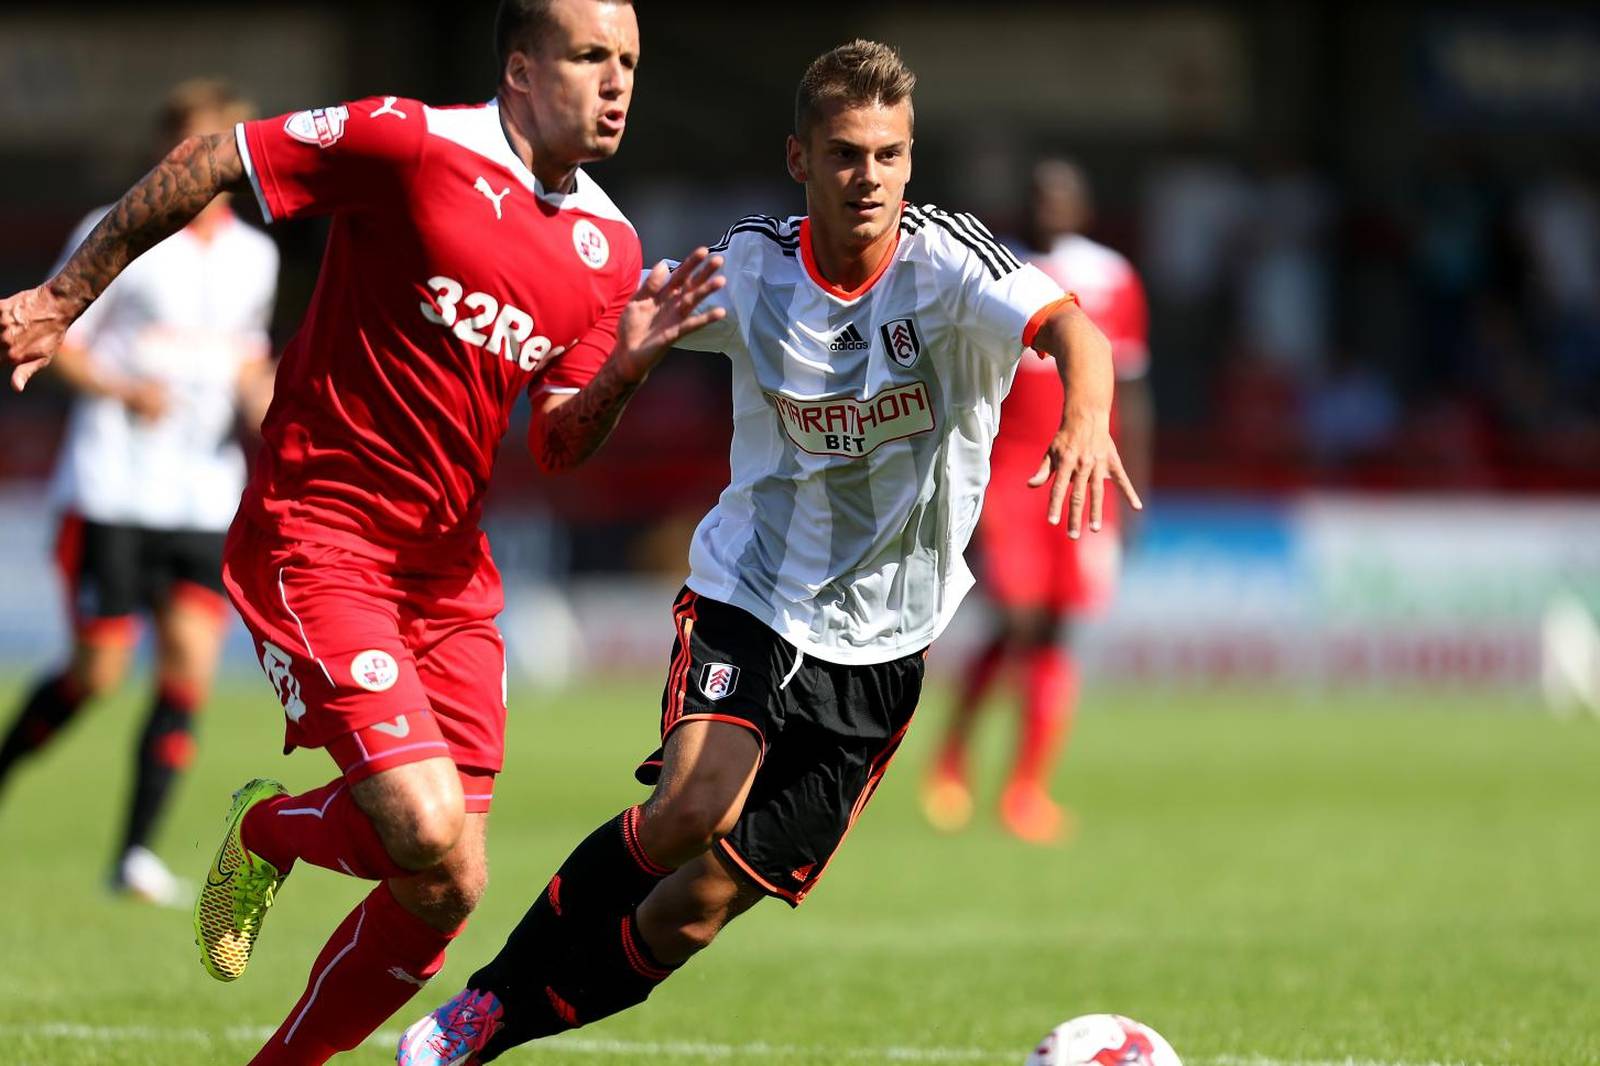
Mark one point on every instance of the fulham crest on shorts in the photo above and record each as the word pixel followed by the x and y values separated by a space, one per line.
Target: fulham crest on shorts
pixel 718 680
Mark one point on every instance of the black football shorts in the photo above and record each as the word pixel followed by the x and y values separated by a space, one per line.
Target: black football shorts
pixel 113 571
pixel 827 733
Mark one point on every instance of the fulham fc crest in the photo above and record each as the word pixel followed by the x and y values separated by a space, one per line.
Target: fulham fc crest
pixel 718 679
pixel 900 340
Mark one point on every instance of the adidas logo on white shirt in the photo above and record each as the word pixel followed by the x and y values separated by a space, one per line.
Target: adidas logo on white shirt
pixel 848 339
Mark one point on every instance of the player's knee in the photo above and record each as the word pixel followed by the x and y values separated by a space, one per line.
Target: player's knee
pixel 689 824
pixel 424 828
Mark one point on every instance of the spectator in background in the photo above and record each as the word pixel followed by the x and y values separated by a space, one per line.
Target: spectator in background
pixel 1042 582
pixel 1283 277
pixel 164 366
pixel 1558 223
pixel 1194 208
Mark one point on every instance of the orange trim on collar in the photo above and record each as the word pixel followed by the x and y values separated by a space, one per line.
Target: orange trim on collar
pixel 829 287
pixel 1036 323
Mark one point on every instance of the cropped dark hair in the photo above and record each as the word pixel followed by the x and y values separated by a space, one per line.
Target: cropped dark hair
pixel 854 74
pixel 518 25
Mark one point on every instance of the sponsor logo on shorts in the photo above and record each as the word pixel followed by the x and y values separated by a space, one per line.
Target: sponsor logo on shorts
pixel 322 126
pixel 592 246
pixel 900 340
pixel 718 680
pixel 803 872
pixel 374 670
pixel 851 427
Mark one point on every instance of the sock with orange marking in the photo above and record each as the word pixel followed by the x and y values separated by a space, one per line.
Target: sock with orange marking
pixel 1049 700
pixel 165 750
pixel 323 827
pixel 581 925
pixel 377 959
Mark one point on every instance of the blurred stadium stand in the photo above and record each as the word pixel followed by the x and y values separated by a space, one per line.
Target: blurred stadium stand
pixel 1371 237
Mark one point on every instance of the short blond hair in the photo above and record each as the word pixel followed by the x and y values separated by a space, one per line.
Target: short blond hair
pixel 199 96
pixel 860 73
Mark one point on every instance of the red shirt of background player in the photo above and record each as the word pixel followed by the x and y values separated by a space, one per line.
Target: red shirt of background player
pixel 452 281
pixel 1027 561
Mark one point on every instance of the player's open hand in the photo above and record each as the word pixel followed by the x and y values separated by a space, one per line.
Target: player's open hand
pixel 32 324
pixel 663 311
pixel 1080 458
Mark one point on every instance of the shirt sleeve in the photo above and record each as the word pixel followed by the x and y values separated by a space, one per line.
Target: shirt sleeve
pixel 577 366
pixel 332 159
pixel 998 297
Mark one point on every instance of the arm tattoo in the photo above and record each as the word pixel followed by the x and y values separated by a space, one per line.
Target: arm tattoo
pixel 163 202
pixel 572 432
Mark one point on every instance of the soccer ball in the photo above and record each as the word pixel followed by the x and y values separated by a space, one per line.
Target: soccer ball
pixel 1103 1040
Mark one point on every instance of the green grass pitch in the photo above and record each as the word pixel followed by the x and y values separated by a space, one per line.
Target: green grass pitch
pixel 1268 880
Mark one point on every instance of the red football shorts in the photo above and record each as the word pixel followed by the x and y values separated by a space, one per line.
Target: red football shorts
pixel 1027 562
pixel 378 667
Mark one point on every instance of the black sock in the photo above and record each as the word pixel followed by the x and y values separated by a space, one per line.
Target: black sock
pixel 609 970
pixel 579 913
pixel 49 706
pixel 165 750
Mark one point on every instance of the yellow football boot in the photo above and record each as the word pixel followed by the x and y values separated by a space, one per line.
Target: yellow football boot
pixel 238 890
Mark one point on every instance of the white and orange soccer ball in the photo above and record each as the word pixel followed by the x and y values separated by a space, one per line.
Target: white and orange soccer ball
pixel 1103 1040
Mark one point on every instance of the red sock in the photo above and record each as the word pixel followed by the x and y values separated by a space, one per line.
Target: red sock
pixel 376 960
pixel 325 828
pixel 976 682
pixel 1050 696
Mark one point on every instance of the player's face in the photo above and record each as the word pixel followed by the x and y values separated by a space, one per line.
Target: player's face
pixel 855 164
pixel 577 81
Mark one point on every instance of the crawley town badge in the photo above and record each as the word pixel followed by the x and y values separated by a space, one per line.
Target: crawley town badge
pixel 374 670
pixel 718 679
pixel 900 340
pixel 592 246
pixel 322 126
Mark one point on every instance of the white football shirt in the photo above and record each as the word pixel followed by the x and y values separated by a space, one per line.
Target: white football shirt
pixel 187 314
pixel 862 427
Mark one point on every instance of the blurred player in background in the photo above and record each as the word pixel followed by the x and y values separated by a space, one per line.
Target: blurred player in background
pixel 469 260
pixel 1042 582
pixel 165 365
pixel 871 343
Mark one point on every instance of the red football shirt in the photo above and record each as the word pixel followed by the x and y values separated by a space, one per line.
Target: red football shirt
pixel 452 281
pixel 1109 292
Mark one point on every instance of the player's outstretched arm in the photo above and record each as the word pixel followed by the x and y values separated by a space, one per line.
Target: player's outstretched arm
pixel 571 427
pixel 1082 454
pixel 165 200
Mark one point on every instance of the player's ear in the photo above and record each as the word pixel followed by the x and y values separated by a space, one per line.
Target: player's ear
pixel 796 154
pixel 517 75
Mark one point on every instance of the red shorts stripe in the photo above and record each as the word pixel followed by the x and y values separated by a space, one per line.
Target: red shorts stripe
pixel 683 618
